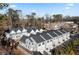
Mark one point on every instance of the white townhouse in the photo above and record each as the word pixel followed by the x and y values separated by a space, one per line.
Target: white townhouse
pixel 44 41
pixel 14 33
pixel 17 33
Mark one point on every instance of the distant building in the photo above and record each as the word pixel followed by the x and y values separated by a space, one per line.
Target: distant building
pixel 69 25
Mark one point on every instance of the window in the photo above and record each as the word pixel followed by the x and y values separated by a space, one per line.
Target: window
pixel 50 40
pixel 29 43
pixel 54 45
pixel 59 42
pixel 63 40
pixel 43 43
pixel 28 46
pixel 46 48
pixel 32 43
pixel 39 45
pixel 47 41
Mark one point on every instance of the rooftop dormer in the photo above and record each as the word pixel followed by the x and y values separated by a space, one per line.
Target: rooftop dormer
pixel 37 31
pixel 12 32
pixel 24 30
pixel 33 32
pixel 18 31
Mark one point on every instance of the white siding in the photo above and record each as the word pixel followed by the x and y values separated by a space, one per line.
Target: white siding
pixel 49 45
pixel 12 32
pixel 41 48
pixel 24 30
pixel 33 46
pixel 7 35
pixel 18 31
pixel 55 41
pixel 60 39
pixel 13 36
pixel 37 31
pixel 32 32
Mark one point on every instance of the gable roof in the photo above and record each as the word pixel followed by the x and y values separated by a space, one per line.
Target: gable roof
pixel 65 30
pixel 30 39
pixel 51 32
pixel 23 39
pixel 40 37
pixel 24 30
pixel 7 31
pixel 29 30
pixel 57 32
pixel 16 29
pixel 20 28
pixel 44 34
pixel 12 32
pixel 37 38
pixel 62 31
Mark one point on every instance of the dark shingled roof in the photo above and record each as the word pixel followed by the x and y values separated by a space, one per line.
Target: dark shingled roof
pixel 37 38
pixel 33 28
pixel 65 30
pixel 24 38
pixel 51 32
pixel 57 32
pixel 62 31
pixel 30 40
pixel 15 29
pixel 38 33
pixel 7 31
pixel 20 28
pixel 29 29
pixel 44 34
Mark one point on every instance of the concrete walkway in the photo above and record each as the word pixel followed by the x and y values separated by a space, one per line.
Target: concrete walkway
pixel 24 51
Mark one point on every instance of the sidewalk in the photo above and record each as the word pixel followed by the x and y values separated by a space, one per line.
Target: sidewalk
pixel 24 51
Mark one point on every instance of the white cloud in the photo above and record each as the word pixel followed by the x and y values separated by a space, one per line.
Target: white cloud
pixel 12 6
pixel 33 10
pixel 70 4
pixel 67 8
